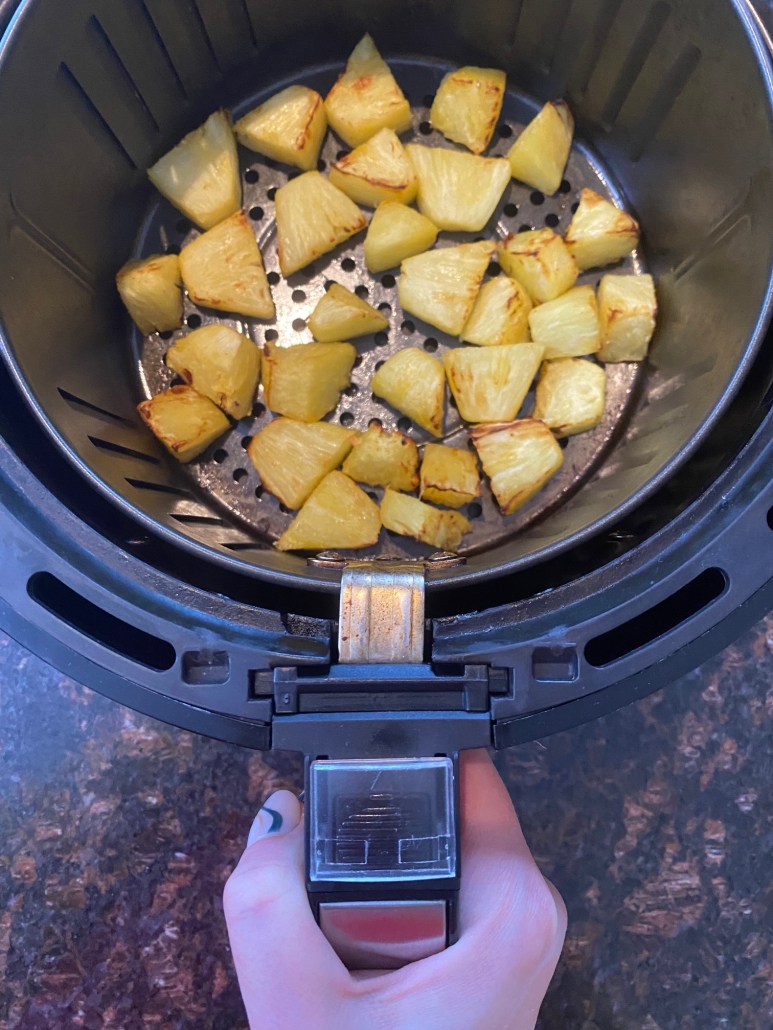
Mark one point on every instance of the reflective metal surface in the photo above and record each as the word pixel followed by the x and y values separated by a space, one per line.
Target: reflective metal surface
pixel 384 934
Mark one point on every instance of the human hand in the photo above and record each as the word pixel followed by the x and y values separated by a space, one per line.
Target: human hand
pixel 512 925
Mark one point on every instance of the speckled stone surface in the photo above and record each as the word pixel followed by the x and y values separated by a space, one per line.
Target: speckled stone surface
pixel 117 833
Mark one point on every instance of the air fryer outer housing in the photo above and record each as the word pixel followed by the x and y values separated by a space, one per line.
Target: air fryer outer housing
pixel 146 621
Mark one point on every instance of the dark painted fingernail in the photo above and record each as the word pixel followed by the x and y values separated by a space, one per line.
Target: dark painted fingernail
pixel 267 821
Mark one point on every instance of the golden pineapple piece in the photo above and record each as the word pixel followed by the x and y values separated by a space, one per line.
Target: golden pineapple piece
pixel 490 384
pixel 519 458
pixel 342 315
pixel 337 515
pixel 223 269
pixel 467 106
pixel 375 171
pixel 449 475
pixel 569 326
pixel 414 382
pixel 185 422
pixel 628 309
pixel 410 517
pixel 396 232
pixel 220 364
pixel 540 261
pixel 440 286
pixel 500 315
pixel 312 218
pixel 366 97
pixel 305 382
pixel 600 233
pixel 293 458
pixel 151 291
pixel 571 394
pixel 539 155
pixel 289 127
pixel 458 191
pixel 381 458
pixel 200 176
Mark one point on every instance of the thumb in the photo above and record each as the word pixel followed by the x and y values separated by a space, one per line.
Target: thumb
pixel 277 947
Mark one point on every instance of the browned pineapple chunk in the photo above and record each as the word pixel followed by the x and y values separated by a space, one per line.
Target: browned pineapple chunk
pixel 414 383
pixel 500 315
pixel 221 364
pixel 294 457
pixel 410 517
pixel 600 233
pixel 151 291
pixel 200 176
pixel 312 218
pixel 569 326
pixel 185 422
pixel 539 155
pixel 289 127
pixel 441 286
pixel 518 458
pixel 541 262
pixel 571 394
pixel 342 315
pixel 628 308
pixel 366 97
pixel 305 382
pixel 467 106
pixel 337 515
pixel 223 269
pixel 376 171
pixel 449 475
pixel 490 383
pixel 381 458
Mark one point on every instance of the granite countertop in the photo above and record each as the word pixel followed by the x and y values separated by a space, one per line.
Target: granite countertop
pixel 656 823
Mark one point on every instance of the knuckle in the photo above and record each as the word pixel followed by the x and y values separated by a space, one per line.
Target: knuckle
pixel 548 917
pixel 254 889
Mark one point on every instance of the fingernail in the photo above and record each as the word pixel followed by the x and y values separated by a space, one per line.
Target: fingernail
pixel 280 814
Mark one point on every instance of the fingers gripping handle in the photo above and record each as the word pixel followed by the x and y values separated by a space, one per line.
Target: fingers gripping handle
pixel 382 857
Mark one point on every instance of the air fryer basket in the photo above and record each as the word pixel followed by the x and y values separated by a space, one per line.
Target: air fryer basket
pixel 673 104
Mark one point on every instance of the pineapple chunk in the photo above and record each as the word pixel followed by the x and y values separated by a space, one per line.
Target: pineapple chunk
pixel 571 394
pixel 151 291
pixel 293 457
pixel 366 97
pixel 441 286
pixel 223 269
pixel 377 170
pixel 396 232
pixel 305 382
pixel 628 308
pixel 541 262
pixel 500 315
pixel 185 422
pixel 381 458
pixel 600 233
pixel 458 191
pixel 518 458
pixel 411 517
pixel 341 315
pixel 490 384
pixel 200 176
pixel 568 327
pixel 290 127
pixel 449 476
pixel 312 217
pixel 337 515
pixel 539 155
pixel 221 364
pixel 415 384
pixel 467 106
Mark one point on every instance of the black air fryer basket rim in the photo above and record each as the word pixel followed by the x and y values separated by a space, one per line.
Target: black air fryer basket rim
pixel 324 581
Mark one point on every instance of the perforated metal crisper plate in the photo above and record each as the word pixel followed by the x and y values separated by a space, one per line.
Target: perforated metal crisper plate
pixel 225 474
